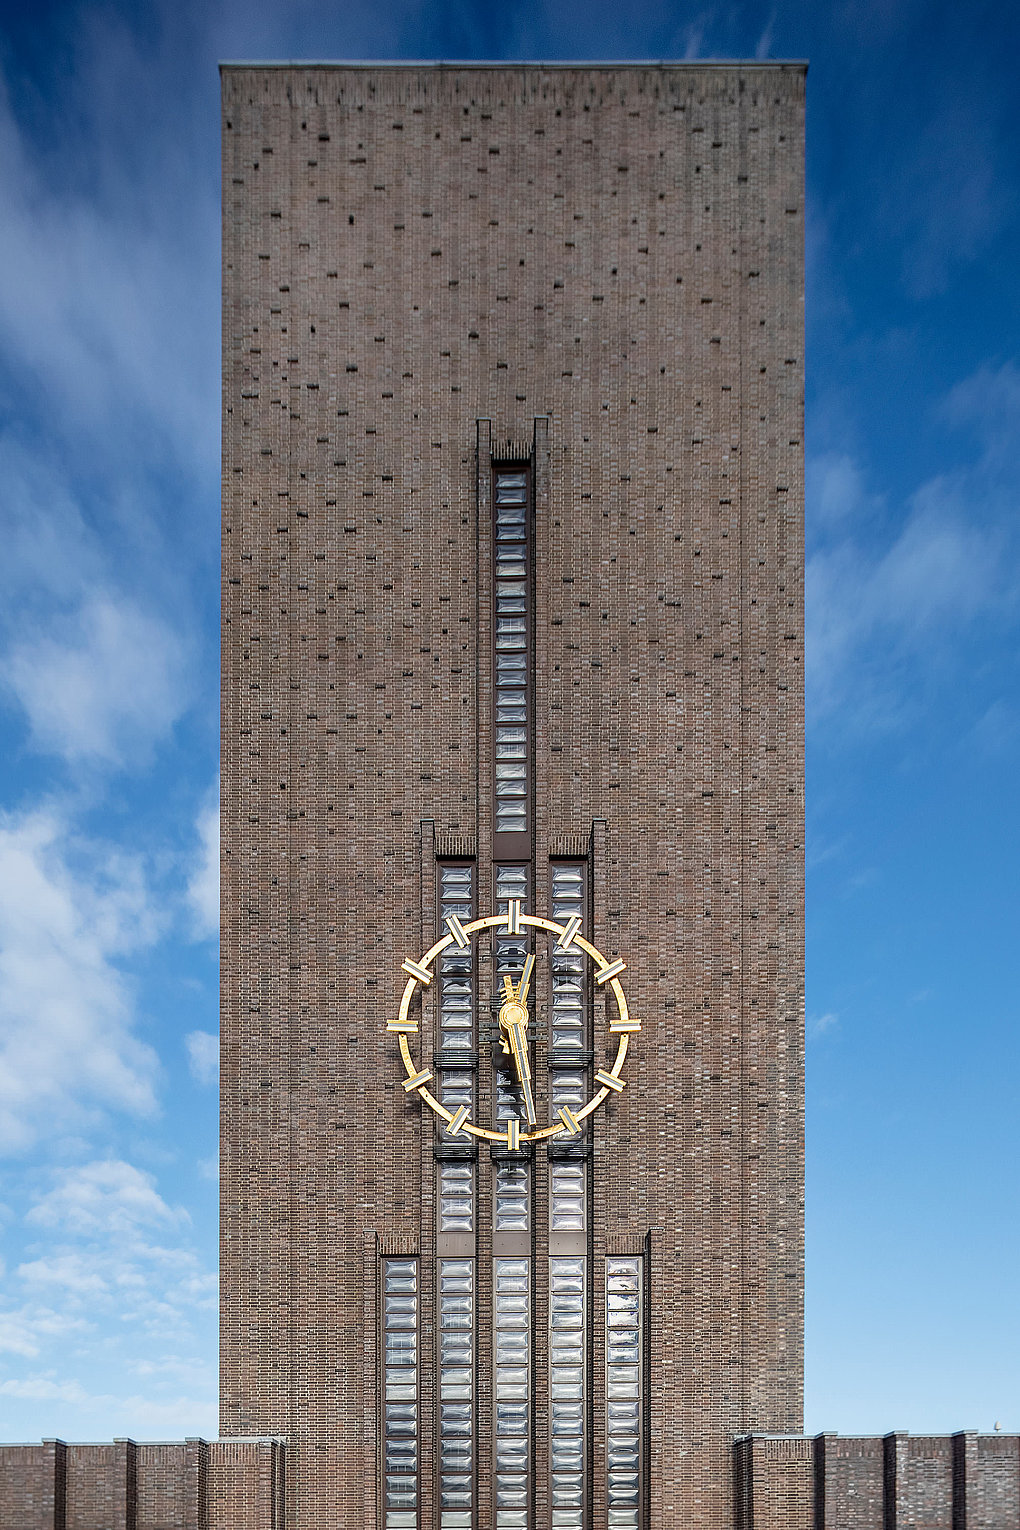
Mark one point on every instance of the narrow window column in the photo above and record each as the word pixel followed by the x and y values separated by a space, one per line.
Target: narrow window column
pixel 457 1046
pixel 624 1401
pixel 456 1393
pixel 400 1393
pixel 567 1361
pixel 512 1364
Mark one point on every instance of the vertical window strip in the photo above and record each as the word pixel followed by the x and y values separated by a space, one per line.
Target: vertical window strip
pixel 511 1201
pixel 567 1459
pixel 400 1393
pixel 623 1391
pixel 456 1393
pixel 569 1035
pixel 568 993
pixel 512 651
pixel 456 967
pixel 456 1040
pixel 512 1366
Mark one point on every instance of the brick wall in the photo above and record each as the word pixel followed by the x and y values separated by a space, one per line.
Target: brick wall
pixel 617 253
pixel 185 1485
pixel 941 1482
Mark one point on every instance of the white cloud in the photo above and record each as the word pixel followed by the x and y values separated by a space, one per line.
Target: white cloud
pixel 67 1045
pixel 821 1024
pixel 109 1196
pixel 44 1389
pixel 204 882
pixel 203 1056
pixel 106 687
pixel 109 294
pixel 836 490
pixel 889 600
pixel 28 1329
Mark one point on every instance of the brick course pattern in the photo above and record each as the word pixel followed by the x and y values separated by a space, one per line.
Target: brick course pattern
pixel 605 264
pixel 186 1485
pixel 964 1481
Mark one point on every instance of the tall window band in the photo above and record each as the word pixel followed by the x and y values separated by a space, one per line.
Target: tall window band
pixel 513 660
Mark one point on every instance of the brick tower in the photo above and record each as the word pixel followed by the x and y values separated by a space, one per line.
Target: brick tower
pixel 512 566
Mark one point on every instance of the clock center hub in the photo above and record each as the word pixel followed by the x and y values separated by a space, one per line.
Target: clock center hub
pixel 513 1014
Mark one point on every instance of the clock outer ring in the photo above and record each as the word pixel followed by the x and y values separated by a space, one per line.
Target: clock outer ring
pixel 403 1027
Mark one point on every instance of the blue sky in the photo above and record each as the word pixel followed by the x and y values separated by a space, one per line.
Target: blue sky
pixel 109 418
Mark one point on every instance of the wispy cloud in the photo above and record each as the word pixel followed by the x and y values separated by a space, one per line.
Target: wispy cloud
pixel 68 1047
pixel 108 1197
pixel 108 295
pixel 890 596
pixel 204 882
pixel 821 1025
pixel 203 1056
pixel 106 688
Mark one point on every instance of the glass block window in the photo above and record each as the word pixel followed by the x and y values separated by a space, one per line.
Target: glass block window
pixel 512 1375
pixel 566 1195
pixel 456 1393
pixel 513 643
pixel 456 967
pixel 456 1085
pixel 456 1197
pixel 568 994
pixel 567 1307
pixel 623 1391
pixel 400 1393
pixel 511 1202
pixel 511 950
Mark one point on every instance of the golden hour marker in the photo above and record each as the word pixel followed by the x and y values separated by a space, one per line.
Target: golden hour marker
pixel 456 929
pixel 513 1134
pixel 606 973
pixel 513 916
pixel 457 1119
pixel 621 1024
pixel 570 1121
pixel 609 1080
pixel 417 1081
pixel 570 929
pixel 421 973
pixel 408 1026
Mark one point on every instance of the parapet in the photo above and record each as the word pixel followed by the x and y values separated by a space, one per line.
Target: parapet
pixel 964 1481
pixel 189 1484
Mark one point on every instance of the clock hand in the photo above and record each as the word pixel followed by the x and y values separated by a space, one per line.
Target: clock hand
pixel 519 1044
pixel 521 996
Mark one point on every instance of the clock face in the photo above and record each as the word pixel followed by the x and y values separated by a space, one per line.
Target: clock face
pixel 517 1055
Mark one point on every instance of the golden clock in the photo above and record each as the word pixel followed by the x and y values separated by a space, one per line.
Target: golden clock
pixel 513 1028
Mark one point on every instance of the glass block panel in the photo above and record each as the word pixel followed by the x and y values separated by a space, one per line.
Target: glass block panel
pixel 513 652
pixel 568 992
pixel 400 1392
pixel 624 1424
pixel 566 1195
pixel 567 1316
pixel 512 1381
pixel 456 1086
pixel 456 1197
pixel 456 967
pixel 456 1392
pixel 511 1200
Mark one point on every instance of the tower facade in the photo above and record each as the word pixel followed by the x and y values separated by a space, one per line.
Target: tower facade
pixel 512 592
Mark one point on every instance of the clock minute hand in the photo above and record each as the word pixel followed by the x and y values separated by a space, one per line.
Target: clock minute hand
pixel 521 996
pixel 519 1046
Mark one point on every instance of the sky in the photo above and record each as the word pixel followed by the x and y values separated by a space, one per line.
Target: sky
pixel 109 422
